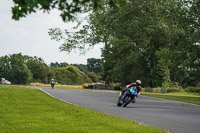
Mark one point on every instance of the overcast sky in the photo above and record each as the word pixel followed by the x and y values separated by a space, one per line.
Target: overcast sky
pixel 29 36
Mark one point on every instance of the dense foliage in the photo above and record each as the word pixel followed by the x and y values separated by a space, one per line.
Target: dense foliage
pixel 193 89
pixel 154 41
pixel 68 8
pixel 40 71
pixel 151 40
pixel 94 65
pixel 21 69
pixel 15 69
pixel 71 75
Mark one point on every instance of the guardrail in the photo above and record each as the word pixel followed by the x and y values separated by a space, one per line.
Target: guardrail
pixel 105 87
pixel 155 90
pixel 101 87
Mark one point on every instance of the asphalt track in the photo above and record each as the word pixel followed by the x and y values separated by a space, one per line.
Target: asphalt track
pixel 172 116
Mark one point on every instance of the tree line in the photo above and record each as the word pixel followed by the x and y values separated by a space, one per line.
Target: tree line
pixel 155 41
pixel 23 69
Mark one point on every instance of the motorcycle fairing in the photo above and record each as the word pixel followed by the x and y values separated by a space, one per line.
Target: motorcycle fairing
pixel 133 90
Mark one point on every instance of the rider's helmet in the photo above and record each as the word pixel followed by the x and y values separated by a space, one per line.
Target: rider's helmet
pixel 138 82
pixel 52 79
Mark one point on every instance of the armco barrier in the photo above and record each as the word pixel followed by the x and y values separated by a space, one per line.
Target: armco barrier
pixel 155 90
pixel 101 87
pixel 105 87
pixel 163 90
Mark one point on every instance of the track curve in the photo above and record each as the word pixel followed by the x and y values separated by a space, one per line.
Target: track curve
pixel 176 117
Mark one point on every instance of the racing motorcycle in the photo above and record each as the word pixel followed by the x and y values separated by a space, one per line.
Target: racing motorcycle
pixel 126 96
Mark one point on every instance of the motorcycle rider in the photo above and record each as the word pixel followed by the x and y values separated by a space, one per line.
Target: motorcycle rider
pixel 52 83
pixel 137 84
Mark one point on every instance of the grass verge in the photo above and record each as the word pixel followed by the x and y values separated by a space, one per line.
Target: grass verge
pixel 193 98
pixel 57 86
pixel 30 110
pixel 77 87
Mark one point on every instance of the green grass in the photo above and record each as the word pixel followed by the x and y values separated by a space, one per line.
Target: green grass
pixel 193 98
pixel 46 86
pixel 30 110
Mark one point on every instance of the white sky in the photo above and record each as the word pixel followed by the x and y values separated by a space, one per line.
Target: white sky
pixel 30 36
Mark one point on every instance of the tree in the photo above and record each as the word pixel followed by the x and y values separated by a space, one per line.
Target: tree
pixel 41 72
pixel 5 66
pixel 68 9
pixel 56 64
pixel 94 65
pixel 81 67
pixel 14 68
pixel 155 41
pixel 161 70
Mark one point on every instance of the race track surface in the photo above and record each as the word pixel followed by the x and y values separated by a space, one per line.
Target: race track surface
pixel 176 117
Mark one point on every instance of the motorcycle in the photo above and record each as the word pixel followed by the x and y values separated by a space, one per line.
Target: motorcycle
pixel 126 96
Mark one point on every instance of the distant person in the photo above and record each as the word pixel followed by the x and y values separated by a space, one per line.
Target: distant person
pixel 52 83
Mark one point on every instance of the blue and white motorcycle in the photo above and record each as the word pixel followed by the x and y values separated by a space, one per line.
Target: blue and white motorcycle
pixel 126 96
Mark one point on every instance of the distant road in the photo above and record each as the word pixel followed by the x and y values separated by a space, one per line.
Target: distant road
pixel 176 117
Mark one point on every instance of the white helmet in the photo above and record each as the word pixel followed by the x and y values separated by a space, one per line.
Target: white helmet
pixel 52 79
pixel 138 82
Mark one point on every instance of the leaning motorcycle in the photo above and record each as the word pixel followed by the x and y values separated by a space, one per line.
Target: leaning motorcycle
pixel 126 96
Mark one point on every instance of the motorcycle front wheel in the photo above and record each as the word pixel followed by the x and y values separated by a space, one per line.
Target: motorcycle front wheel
pixel 127 100
pixel 119 103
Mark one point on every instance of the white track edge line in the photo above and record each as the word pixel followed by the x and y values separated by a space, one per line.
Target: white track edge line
pixel 57 98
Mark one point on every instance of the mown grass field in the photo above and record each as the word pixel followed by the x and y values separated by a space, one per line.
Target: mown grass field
pixel 32 111
pixel 193 98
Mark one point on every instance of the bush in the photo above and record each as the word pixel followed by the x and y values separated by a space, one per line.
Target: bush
pixel 193 89
pixel 198 84
pixel 172 86
pixel 173 90
pixel 71 75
